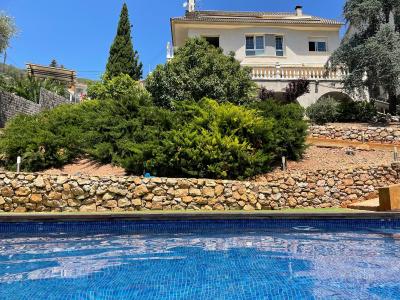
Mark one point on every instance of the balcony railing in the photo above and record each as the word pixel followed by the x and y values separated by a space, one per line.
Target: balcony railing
pixel 290 73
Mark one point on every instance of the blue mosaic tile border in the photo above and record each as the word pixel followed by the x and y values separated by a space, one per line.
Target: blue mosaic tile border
pixel 196 225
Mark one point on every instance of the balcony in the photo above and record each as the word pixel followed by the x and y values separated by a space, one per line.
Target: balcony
pixel 292 72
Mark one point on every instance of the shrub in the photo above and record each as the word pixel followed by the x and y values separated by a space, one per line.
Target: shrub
pixel 220 141
pixel 323 111
pixel 124 132
pixel 290 128
pixel 114 88
pixel 356 111
pixel 328 110
pixel 200 70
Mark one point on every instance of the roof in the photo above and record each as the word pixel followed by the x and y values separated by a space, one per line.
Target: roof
pixel 59 74
pixel 254 17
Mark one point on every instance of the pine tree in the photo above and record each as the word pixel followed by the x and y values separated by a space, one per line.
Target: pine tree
pixel 123 59
pixel 54 64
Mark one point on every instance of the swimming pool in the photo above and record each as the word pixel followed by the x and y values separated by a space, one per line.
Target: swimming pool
pixel 236 259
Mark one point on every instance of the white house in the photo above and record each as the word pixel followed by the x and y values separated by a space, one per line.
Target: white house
pixel 279 47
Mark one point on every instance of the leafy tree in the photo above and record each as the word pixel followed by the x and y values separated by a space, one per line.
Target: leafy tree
pixel 123 59
pixel 115 88
pixel 199 70
pixel 372 53
pixel 7 31
pixel 296 89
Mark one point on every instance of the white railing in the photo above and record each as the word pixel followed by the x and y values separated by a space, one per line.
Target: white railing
pixel 288 73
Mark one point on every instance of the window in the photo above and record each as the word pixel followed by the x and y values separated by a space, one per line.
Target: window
pixel 279 46
pixel 212 40
pixel 255 45
pixel 317 46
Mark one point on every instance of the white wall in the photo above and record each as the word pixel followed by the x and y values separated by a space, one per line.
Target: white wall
pixel 295 44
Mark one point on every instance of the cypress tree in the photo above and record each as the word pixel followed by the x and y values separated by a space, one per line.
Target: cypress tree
pixel 123 59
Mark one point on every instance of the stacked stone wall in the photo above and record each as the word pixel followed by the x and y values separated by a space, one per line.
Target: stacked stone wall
pixel 12 105
pixel 385 135
pixel 317 189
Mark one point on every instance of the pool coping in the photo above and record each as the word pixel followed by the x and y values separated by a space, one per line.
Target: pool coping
pixel 51 217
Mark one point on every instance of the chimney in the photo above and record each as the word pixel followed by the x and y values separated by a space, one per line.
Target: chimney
pixel 191 5
pixel 299 11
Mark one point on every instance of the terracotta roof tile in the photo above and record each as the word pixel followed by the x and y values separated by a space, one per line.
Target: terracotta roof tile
pixel 253 17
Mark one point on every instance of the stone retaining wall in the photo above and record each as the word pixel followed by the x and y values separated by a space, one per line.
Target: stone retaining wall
pixel 386 135
pixel 38 192
pixel 12 105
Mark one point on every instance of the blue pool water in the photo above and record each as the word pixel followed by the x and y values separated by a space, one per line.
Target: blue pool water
pixel 272 259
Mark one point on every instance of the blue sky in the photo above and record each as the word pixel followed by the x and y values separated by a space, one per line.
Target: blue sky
pixel 78 33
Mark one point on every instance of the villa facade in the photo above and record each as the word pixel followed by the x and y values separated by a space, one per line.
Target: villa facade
pixel 279 47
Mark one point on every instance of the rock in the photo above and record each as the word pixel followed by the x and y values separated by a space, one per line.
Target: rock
pixel 2 201
pixel 219 190
pixel 140 190
pixel 201 200
pixel 320 192
pixel 194 192
pixel 39 182
pixel 236 196
pixel 74 202
pixel 331 182
pixel 54 196
pixel 7 192
pixel 111 204
pixel 88 208
pixel 179 193
pixel 36 198
pixel 137 202
pixel 20 209
pixel 348 181
pixel 248 207
pixel 77 191
pixel 208 192
pixel 187 199
pixel 124 202
pixel 117 191
pixel 23 191
pixel 61 180
pixel 241 203
pixel 108 196
pixel 159 191
pixel 290 181
pixel 292 202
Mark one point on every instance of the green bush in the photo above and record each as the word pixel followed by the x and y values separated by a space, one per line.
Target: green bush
pixel 356 111
pixel 220 141
pixel 114 88
pixel 123 132
pixel 323 111
pixel 197 139
pixel 328 110
pixel 290 128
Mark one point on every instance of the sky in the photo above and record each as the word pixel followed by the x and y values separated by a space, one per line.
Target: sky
pixel 79 33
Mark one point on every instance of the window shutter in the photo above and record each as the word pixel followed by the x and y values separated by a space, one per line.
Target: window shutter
pixel 270 45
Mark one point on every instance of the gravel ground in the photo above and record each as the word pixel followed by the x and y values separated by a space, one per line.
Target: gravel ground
pixel 88 167
pixel 331 158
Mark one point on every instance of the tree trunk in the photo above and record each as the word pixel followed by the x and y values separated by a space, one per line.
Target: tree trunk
pixel 392 103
